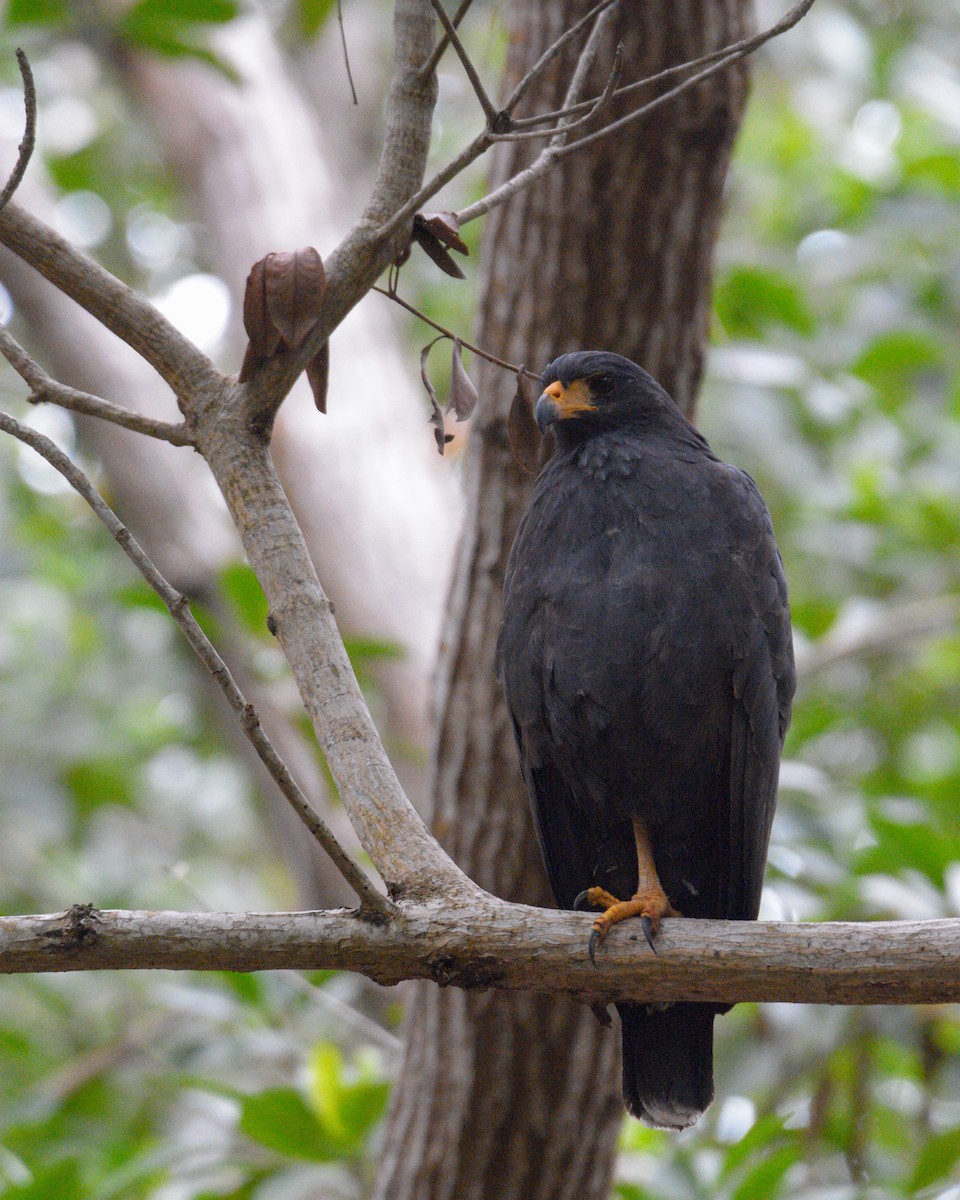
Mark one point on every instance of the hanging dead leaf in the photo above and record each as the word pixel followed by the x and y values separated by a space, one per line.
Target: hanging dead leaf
pixel 281 304
pixel 433 233
pixel 446 227
pixel 318 376
pixel 264 338
pixel 436 414
pixel 294 285
pixel 463 395
pixel 522 429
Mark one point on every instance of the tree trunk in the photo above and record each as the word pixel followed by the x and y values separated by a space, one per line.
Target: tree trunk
pixel 518 1097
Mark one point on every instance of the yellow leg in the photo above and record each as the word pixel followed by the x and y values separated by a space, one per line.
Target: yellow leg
pixel 649 902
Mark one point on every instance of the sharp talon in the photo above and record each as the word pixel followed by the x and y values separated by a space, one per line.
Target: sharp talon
pixel 581 904
pixel 592 947
pixel 647 925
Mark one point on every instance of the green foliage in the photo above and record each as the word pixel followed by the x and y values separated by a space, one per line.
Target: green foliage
pixel 835 381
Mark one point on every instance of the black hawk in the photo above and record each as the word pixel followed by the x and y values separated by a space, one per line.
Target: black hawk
pixel 647 664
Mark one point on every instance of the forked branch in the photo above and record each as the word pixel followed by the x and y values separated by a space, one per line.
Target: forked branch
pixel 371 901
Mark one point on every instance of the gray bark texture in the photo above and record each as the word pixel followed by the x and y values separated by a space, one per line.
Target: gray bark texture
pixel 518 1097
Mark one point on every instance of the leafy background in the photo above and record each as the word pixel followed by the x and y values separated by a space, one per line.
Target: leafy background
pixel 833 378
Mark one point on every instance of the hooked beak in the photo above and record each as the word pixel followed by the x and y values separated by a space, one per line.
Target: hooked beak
pixel 558 403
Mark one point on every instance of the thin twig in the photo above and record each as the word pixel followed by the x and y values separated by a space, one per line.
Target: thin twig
pixel 44 389
pixel 483 141
pixel 747 45
pixel 438 51
pixel 176 603
pixel 489 108
pixel 29 131
pixel 551 53
pixel 444 332
pixel 346 53
pixel 552 153
pixel 565 130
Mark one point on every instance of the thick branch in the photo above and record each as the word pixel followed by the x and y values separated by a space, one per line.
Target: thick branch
pixel 516 948
pixel 122 310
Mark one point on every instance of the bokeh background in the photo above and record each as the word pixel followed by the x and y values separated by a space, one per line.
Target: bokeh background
pixel 834 377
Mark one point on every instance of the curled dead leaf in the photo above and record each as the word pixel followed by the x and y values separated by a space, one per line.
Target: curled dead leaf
pixel 282 303
pixel 436 412
pixel 522 429
pixel 463 395
pixel 318 376
pixel 434 232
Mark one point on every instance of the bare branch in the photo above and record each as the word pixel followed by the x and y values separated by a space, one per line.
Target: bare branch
pixel 489 108
pixel 551 53
pixel 44 389
pixel 29 131
pixel 483 141
pixel 564 130
pixel 438 51
pixel 122 310
pixel 516 948
pixel 346 52
pixel 554 152
pixel 178 607
pixel 745 46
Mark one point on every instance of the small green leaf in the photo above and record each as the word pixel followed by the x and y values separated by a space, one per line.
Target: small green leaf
pixel 36 12
pixel 938 1156
pixel 245 596
pixel 184 11
pixel 892 361
pixel 313 15
pixel 279 1119
pixel 748 300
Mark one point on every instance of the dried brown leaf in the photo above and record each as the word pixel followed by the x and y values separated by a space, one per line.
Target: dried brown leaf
pixel 294 286
pixel 436 413
pixel 264 338
pixel 463 395
pixel 433 247
pixel 318 376
pixel 446 227
pixel 522 429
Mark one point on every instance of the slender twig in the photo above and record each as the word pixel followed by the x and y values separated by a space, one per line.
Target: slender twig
pixel 438 51
pixel 483 141
pixel 480 144
pixel 746 46
pixel 489 108
pixel 176 603
pixel 551 53
pixel 552 153
pixel 444 332
pixel 44 389
pixel 565 130
pixel 346 53
pixel 29 130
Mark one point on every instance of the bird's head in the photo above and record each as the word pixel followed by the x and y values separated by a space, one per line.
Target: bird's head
pixel 591 390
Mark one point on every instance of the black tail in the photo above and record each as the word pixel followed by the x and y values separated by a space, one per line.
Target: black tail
pixel 667 1062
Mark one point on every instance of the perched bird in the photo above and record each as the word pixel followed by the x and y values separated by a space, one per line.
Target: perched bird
pixel 647 663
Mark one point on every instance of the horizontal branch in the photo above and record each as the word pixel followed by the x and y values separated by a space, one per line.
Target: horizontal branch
pixel 515 948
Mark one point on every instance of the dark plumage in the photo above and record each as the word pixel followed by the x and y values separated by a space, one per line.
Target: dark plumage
pixel 647 664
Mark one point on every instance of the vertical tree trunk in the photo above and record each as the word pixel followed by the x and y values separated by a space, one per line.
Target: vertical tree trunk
pixel 518 1097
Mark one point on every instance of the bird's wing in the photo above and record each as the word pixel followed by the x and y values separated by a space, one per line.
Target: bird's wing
pixel 763 685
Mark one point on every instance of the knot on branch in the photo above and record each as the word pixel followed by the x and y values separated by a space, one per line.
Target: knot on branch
pixel 79 927
pixel 448 971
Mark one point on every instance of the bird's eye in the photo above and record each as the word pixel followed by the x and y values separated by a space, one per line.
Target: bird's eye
pixel 601 385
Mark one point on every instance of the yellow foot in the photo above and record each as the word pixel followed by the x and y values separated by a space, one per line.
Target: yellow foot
pixel 649 905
